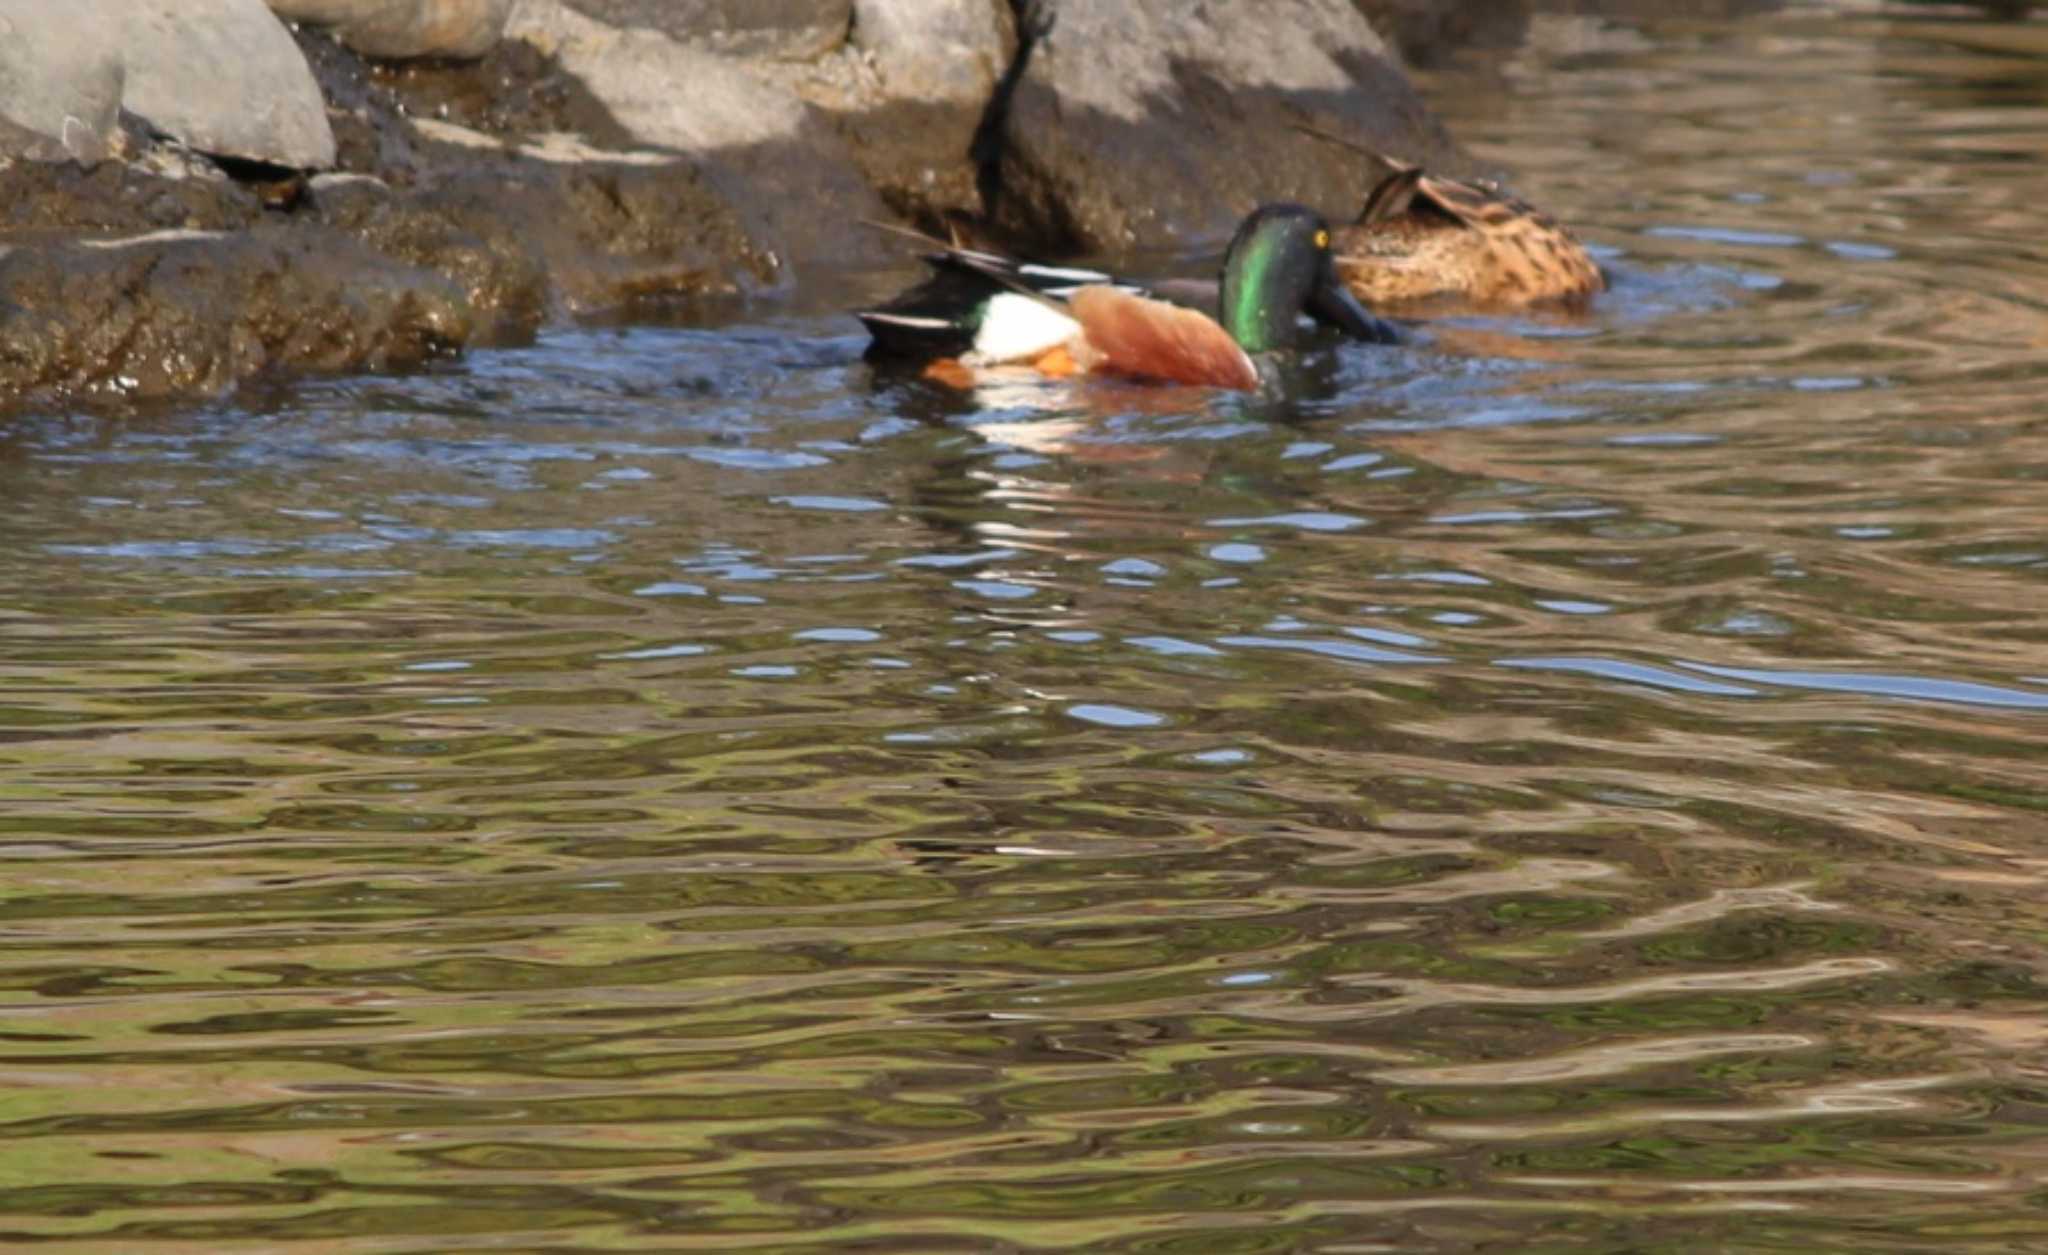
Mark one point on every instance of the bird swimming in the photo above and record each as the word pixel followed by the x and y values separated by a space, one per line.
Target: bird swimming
pixel 983 309
pixel 1421 236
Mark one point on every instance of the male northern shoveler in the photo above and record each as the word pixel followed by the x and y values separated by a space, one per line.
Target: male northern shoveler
pixel 989 310
pixel 1422 236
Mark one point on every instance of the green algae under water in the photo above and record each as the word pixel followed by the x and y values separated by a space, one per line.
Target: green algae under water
pixel 1562 786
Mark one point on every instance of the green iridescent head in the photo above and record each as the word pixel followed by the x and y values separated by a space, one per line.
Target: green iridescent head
pixel 1278 267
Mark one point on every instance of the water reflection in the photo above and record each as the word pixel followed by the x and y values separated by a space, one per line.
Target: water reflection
pixel 672 787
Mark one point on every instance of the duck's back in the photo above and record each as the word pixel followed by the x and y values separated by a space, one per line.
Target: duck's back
pixel 1422 237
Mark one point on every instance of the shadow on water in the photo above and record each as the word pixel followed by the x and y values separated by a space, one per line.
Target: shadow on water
pixel 1562 785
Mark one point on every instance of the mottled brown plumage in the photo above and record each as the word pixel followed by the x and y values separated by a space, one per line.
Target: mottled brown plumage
pixel 1421 237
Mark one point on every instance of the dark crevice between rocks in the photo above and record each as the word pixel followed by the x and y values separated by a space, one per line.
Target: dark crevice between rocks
pixel 1033 20
pixel 939 165
pixel 282 188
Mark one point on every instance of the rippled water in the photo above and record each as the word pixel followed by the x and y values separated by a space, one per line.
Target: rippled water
pixel 1561 786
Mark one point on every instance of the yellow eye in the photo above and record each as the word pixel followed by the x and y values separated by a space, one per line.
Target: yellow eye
pixel 1322 239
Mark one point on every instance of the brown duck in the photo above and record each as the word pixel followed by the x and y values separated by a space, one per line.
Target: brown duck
pixel 1423 237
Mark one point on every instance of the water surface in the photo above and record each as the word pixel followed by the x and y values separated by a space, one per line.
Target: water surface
pixel 1558 786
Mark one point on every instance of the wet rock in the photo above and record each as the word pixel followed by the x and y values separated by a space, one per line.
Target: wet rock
pixel 406 28
pixel 515 91
pixel 39 198
pixel 60 86
pixel 471 170
pixel 559 226
pixel 222 76
pixel 371 133
pixel 781 30
pixel 1151 121
pixel 189 313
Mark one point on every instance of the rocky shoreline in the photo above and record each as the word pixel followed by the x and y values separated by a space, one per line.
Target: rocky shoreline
pixel 190 200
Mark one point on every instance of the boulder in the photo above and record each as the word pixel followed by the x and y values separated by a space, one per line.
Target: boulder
pixel 221 76
pixel 662 91
pixel 754 138
pixel 818 112
pixel 561 227
pixel 401 29
pixel 915 85
pixel 935 51
pixel 60 85
pixel 1156 122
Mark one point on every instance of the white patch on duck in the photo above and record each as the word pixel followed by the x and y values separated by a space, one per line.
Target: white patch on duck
pixel 1019 328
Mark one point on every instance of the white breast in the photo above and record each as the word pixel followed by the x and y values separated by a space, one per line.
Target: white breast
pixel 1018 328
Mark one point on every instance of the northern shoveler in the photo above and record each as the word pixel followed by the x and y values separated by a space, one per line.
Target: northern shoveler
pixel 987 310
pixel 1421 236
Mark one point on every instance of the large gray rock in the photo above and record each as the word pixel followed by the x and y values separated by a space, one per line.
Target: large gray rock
pixel 60 84
pixel 664 92
pixel 1156 121
pixel 934 50
pixel 841 109
pixel 910 92
pixel 757 141
pixel 406 28
pixel 222 76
